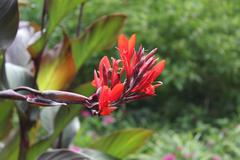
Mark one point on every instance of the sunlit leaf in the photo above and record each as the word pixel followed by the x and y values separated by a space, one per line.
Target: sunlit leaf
pixel 57 68
pixel 56 11
pixel 9 18
pixel 61 154
pixel 101 34
pixel 122 143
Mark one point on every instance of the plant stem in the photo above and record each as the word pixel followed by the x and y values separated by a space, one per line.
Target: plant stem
pixel 78 29
pixel 24 139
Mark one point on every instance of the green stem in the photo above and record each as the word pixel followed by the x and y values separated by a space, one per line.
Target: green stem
pixel 78 29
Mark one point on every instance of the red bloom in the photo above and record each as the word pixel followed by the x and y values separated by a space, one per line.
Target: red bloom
pixel 127 53
pixel 108 96
pixel 137 71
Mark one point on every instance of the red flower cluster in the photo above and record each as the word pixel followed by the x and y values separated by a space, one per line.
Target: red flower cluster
pixel 126 79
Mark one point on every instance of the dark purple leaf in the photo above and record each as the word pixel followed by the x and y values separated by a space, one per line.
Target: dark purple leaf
pixel 9 19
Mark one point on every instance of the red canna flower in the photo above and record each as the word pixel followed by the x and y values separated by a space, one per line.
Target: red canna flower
pixel 126 79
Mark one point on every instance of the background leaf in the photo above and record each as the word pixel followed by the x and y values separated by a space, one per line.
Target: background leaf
pixel 56 11
pixel 101 34
pixel 9 18
pixel 122 143
pixel 6 109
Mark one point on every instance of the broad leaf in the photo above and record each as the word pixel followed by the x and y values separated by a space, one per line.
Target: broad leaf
pixel 99 35
pixel 63 154
pixel 56 11
pixel 6 110
pixel 9 18
pixel 122 143
pixel 57 68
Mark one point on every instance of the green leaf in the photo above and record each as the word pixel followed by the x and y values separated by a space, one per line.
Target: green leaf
pixel 9 18
pixel 122 143
pixel 57 10
pixel 11 146
pixel 101 34
pixel 6 110
pixel 60 154
pixel 85 88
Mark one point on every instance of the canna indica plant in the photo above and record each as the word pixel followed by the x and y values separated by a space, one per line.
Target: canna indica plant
pixel 38 79
pixel 129 78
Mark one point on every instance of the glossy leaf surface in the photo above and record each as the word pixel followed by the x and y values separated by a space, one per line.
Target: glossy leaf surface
pixel 9 19
pixel 122 143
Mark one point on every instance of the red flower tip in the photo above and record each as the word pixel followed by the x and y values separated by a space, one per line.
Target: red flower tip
pixel 122 42
pixel 131 43
pixel 158 69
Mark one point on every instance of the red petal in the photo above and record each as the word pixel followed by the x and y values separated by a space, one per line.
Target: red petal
pixel 107 111
pixel 131 45
pixel 149 90
pixel 116 92
pixel 158 69
pixel 104 63
pixel 96 82
pixel 103 98
pixel 93 83
pixel 122 43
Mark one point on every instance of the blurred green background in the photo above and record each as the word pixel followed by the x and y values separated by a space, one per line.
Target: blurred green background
pixel 195 114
